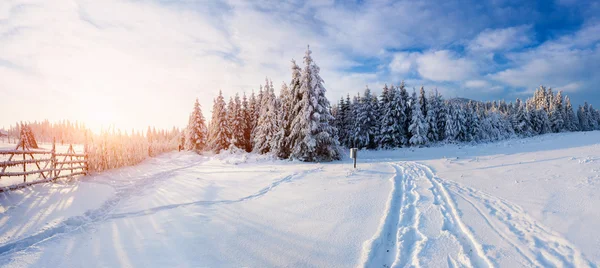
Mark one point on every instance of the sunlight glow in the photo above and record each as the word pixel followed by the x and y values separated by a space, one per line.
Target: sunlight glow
pixel 97 112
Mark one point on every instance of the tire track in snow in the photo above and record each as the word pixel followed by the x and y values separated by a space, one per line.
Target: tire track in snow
pixel 399 241
pixel 535 242
pixel 454 224
pixel 410 238
pixel 381 250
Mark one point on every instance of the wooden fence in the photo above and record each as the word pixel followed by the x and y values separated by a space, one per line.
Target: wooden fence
pixel 47 165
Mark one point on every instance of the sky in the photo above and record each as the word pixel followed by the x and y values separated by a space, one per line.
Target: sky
pixel 134 63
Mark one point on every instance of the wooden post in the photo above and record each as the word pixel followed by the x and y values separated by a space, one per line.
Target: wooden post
pixel 53 158
pixel 85 154
pixel 353 152
pixel 24 165
pixel 71 157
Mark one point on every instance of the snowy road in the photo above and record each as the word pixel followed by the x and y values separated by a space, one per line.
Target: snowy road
pixel 500 205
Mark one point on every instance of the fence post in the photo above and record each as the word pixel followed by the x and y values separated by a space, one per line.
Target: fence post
pixel 71 158
pixel 24 164
pixel 85 155
pixel 53 159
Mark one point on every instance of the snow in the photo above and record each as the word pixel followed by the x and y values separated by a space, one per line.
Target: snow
pixel 515 203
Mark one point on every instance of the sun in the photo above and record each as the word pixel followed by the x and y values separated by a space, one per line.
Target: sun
pixel 98 113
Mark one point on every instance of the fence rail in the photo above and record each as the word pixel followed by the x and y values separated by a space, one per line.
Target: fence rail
pixel 49 166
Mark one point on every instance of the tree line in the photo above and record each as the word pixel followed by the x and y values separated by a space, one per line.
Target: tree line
pixel 398 119
pixel 300 123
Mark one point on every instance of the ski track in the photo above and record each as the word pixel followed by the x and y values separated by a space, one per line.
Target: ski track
pixel 536 243
pixel 104 213
pixel 399 241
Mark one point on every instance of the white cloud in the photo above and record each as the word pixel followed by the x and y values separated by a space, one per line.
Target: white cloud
pixel 403 62
pixel 477 84
pixel 442 65
pixel 501 39
pixel 571 87
pixel 568 60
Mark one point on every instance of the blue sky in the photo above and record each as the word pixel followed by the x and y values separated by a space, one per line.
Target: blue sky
pixel 138 63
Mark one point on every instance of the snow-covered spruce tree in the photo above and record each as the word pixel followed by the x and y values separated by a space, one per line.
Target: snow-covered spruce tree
pixel 266 127
pixel 312 137
pixel 582 118
pixel 392 126
pixel 556 119
pixel 259 100
pixel 366 122
pixel 571 122
pixel 377 123
pixel 404 103
pixel 523 121
pixel 383 103
pixel 557 113
pixel 441 116
pixel 338 113
pixel 247 122
pixel 288 103
pixel 219 133
pixel 196 132
pixel 423 101
pixel 418 126
pixel 451 130
pixel 592 118
pixel 432 116
pixel 461 124
pixel 473 122
pixel 235 120
pixel 252 119
pixel 354 125
pixel 279 144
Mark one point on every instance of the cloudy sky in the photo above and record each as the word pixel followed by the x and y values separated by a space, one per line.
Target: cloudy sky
pixel 134 63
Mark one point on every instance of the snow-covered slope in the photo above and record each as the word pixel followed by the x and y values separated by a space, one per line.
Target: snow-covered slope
pixel 516 203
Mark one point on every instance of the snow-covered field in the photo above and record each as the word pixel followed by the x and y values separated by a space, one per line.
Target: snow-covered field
pixel 519 203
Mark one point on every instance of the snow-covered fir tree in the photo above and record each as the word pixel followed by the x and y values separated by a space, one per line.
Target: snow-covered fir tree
pixel 423 101
pixel 235 120
pixel 452 128
pixel 266 127
pixel 196 131
pixel 418 127
pixel 312 138
pixel 571 122
pixel 281 107
pixel 405 103
pixel 219 132
pixel 392 112
pixel 247 123
pixel 432 116
pixel 365 122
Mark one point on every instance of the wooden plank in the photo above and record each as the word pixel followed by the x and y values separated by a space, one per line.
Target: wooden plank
pixel 70 168
pixel 20 162
pixel 11 152
pixel 70 154
pixel 73 162
pixel 25 173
